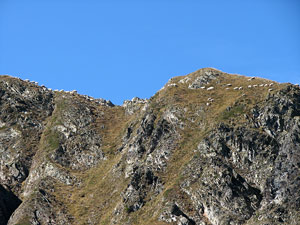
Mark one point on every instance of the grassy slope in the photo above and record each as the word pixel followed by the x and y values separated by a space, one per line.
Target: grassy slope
pixel 241 102
pixel 99 194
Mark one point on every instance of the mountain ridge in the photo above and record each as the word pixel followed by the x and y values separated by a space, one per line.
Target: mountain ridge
pixel 208 148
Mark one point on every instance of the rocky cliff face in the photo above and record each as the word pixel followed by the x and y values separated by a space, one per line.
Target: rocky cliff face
pixel 208 148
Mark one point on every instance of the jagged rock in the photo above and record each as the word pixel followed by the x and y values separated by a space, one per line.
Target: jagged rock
pixel 67 158
pixel 41 207
pixel 203 79
pixel 24 107
pixel 172 213
pixel 104 102
pixel 135 104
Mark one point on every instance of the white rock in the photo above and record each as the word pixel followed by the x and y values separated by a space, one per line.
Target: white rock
pixel 2 124
pixel 171 117
pixel 210 88
pixel 185 80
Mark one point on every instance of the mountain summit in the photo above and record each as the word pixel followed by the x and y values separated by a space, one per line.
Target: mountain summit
pixel 208 148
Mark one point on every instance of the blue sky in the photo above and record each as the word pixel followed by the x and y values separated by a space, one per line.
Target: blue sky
pixel 120 49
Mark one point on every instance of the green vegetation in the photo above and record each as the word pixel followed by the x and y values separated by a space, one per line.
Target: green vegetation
pixel 233 112
pixel 53 140
pixel 50 139
pixel 3 128
pixel 61 105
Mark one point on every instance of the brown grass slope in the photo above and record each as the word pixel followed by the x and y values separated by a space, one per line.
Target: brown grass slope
pixel 100 192
pixel 98 196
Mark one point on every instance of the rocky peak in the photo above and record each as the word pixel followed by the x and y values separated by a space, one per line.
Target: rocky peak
pixel 208 148
pixel 135 104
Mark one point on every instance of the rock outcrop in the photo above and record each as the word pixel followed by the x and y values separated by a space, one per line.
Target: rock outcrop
pixel 200 151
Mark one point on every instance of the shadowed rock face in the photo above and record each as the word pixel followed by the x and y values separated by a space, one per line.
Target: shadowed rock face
pixel 186 156
pixel 24 107
pixel 8 204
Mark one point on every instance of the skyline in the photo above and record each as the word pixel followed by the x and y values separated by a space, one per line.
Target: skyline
pixel 118 50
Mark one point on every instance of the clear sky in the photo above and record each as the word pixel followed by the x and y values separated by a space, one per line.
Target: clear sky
pixel 118 49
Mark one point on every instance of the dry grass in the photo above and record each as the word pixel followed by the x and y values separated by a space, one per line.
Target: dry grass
pixel 241 101
pixel 100 190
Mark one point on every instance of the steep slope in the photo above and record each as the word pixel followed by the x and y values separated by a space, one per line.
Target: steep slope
pixel 208 148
